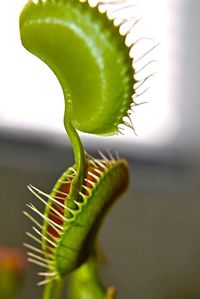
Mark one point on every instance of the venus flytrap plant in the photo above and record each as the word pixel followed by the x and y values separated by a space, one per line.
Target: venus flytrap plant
pixel 81 43
pixel 68 236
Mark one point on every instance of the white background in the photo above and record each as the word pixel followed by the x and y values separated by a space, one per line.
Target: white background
pixel 31 98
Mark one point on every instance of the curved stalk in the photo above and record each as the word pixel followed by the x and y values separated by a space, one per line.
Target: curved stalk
pixel 79 155
pixel 85 283
pixel 53 289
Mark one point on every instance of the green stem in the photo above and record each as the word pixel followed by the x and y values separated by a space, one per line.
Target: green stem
pixel 53 290
pixel 85 283
pixel 79 155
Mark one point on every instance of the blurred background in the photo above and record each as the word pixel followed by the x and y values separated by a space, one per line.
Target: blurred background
pixel 151 237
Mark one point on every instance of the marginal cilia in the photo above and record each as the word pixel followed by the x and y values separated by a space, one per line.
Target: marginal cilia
pixel 101 89
pixel 67 236
pixel 102 79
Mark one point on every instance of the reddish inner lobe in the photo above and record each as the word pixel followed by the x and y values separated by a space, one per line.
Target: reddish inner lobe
pixel 52 215
pixel 65 188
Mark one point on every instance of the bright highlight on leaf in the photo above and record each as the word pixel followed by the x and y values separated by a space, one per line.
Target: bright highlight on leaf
pixel 88 55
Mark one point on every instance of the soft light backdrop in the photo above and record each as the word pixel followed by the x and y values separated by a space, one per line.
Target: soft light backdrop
pixel 31 98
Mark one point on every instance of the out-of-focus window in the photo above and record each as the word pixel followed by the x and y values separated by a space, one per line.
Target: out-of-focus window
pixel 31 98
